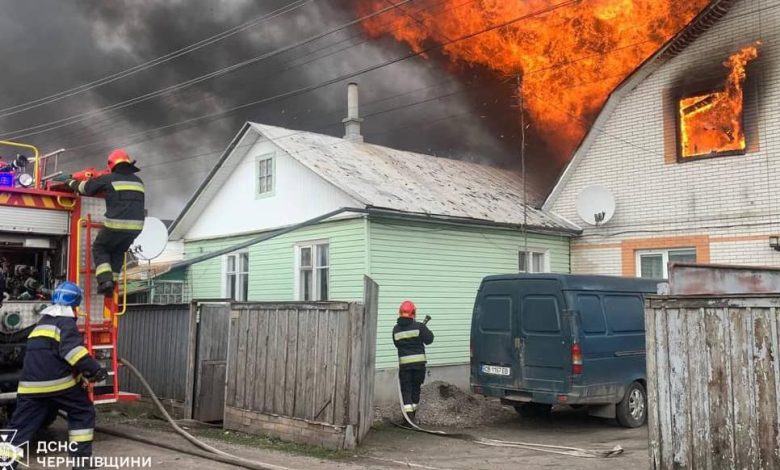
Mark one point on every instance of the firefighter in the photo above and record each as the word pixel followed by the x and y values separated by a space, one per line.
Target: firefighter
pixel 410 338
pixel 55 353
pixel 125 214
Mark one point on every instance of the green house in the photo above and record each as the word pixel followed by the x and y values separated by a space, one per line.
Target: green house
pixel 425 229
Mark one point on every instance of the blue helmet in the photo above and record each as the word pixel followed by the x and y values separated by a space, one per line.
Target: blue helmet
pixel 68 294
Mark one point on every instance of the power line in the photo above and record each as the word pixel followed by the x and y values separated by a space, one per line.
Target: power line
pixel 57 124
pixel 11 110
pixel 347 76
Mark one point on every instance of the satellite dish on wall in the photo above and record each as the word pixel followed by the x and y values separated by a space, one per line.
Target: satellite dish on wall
pixel 596 205
pixel 151 242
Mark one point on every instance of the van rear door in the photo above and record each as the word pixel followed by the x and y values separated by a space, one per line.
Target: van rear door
pixel 543 340
pixel 493 360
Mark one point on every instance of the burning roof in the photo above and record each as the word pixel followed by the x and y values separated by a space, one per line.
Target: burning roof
pixel 571 54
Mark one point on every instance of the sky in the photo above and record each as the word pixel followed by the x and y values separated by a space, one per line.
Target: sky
pixel 50 46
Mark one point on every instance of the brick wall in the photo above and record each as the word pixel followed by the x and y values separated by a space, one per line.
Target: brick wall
pixel 732 200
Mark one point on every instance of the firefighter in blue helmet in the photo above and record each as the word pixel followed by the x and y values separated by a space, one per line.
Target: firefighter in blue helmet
pixel 55 356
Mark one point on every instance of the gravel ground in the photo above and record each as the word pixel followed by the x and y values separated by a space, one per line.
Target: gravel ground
pixel 445 405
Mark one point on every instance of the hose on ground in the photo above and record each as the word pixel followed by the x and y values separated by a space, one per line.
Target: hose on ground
pixel 211 452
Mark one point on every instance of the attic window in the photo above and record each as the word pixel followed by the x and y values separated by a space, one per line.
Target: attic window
pixel 265 175
pixel 711 122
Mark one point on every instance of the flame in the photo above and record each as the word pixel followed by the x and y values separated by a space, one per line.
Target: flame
pixel 570 57
pixel 711 123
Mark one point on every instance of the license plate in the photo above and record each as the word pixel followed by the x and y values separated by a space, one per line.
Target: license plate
pixel 496 370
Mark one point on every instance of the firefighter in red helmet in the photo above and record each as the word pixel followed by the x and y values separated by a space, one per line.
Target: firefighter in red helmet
pixel 125 213
pixel 410 338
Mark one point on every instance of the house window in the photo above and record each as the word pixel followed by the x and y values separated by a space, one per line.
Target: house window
pixel 265 175
pixel 168 292
pixel 532 261
pixel 237 276
pixel 313 271
pixel 653 264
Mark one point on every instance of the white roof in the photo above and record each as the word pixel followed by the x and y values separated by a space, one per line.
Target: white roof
pixel 386 178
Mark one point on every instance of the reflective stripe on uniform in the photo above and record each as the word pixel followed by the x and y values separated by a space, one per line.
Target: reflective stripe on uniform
pixel 46 331
pixel 46 386
pixel 102 269
pixel 409 408
pixel 412 359
pixel 81 435
pixel 76 354
pixel 406 335
pixel 127 186
pixel 121 224
pixel 414 406
pixel 83 187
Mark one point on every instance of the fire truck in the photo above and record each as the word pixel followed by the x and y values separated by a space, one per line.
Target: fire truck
pixel 46 236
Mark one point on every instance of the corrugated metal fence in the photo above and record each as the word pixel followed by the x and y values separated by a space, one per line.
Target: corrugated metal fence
pixel 713 381
pixel 154 338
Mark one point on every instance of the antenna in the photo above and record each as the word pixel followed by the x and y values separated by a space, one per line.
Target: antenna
pixel 151 242
pixel 596 205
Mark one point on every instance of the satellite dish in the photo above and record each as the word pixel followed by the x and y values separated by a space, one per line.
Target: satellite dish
pixel 151 242
pixel 596 205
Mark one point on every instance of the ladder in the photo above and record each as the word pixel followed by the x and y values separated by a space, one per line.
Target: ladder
pixel 101 318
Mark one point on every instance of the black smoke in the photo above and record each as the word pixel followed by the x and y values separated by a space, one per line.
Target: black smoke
pixel 51 45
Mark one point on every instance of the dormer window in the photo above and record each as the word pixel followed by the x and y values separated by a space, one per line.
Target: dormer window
pixel 265 175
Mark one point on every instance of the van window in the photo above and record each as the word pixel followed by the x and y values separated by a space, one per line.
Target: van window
pixel 540 314
pixel 496 313
pixel 624 313
pixel 591 314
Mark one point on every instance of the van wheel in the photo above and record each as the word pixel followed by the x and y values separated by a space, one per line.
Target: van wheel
pixel 632 410
pixel 533 410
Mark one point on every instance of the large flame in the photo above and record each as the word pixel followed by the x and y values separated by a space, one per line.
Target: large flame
pixel 570 57
pixel 711 123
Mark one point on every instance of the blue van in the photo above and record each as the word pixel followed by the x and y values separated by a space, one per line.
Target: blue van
pixel 539 340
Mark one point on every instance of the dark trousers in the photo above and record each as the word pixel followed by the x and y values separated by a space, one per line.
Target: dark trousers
pixel 32 412
pixel 411 381
pixel 108 252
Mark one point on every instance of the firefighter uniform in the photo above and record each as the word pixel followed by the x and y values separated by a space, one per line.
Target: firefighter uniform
pixel 410 338
pixel 125 214
pixel 55 352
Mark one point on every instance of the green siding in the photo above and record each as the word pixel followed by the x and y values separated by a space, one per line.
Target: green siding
pixel 439 267
pixel 272 263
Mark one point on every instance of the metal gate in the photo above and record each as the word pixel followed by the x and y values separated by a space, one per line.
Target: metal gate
pixel 209 352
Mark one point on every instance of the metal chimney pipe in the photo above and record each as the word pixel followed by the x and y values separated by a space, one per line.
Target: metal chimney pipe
pixel 352 122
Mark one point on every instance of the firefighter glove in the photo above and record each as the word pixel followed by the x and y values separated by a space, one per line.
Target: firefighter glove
pixel 99 376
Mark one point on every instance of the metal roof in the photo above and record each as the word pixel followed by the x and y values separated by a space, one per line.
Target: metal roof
pixel 588 282
pixel 386 178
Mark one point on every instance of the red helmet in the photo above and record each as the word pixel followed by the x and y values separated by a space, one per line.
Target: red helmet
pixel 118 156
pixel 407 309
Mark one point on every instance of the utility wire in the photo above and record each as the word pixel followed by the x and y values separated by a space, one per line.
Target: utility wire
pixel 57 124
pixel 343 77
pixel 146 65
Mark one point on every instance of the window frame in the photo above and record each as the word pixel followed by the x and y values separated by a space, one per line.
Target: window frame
pixel 529 259
pixel 664 258
pixel 238 276
pixel 315 268
pixel 271 156
pixel 158 284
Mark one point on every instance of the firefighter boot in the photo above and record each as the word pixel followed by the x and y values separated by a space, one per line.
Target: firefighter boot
pixel 411 416
pixel 106 288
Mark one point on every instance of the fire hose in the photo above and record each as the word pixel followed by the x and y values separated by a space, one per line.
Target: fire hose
pixel 551 449
pixel 207 451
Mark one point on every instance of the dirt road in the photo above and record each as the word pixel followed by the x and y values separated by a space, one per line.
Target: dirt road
pixel 389 447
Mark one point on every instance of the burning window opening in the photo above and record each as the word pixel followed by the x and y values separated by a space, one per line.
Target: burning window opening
pixel 711 123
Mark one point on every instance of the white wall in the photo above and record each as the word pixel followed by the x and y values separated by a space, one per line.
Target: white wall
pixel 734 200
pixel 299 195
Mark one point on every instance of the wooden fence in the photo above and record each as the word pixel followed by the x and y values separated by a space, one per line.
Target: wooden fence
pixel 303 372
pixel 713 381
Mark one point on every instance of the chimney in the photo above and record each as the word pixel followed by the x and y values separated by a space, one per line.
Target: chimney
pixel 352 122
